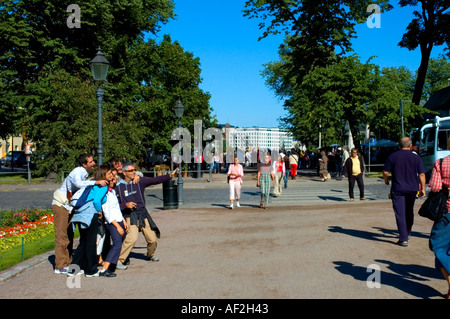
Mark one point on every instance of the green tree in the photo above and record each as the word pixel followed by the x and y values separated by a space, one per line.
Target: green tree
pixel 438 76
pixel 332 96
pixel 316 31
pixel 47 85
pixel 429 28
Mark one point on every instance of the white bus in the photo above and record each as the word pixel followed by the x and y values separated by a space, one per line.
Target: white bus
pixel 431 140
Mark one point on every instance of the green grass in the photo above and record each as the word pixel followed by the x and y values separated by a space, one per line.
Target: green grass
pixel 18 178
pixel 13 256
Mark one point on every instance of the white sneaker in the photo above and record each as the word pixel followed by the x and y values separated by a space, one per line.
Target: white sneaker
pixel 231 206
pixel 63 271
pixel 237 204
pixel 93 275
pixel 80 272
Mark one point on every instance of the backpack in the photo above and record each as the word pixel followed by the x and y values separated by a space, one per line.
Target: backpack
pixel 80 197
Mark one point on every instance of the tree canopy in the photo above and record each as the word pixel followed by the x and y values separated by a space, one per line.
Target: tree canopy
pixel 322 82
pixel 46 86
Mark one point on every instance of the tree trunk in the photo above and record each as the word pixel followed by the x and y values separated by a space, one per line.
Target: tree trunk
pixel 422 72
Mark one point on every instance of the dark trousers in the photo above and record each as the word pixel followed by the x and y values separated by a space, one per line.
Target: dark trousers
pixel 403 204
pixel 351 185
pixel 85 256
pixel 117 239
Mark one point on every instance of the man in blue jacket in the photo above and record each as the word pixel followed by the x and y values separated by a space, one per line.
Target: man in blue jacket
pixel 132 203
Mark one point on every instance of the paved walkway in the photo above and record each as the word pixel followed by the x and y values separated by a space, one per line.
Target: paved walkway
pixel 286 252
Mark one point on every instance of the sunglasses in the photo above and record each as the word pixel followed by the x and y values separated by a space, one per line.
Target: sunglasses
pixel 131 170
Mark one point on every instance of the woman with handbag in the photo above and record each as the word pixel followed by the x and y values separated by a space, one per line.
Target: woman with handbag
pixel 440 232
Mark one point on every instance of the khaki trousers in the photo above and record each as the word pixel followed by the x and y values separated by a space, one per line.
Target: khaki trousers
pixel 278 184
pixel 63 237
pixel 132 236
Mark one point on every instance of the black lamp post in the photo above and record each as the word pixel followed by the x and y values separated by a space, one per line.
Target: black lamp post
pixel 179 110
pixel 99 68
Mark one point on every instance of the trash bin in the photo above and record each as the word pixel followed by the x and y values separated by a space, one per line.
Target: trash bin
pixel 170 195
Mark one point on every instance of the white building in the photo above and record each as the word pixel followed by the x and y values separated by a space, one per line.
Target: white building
pixel 258 137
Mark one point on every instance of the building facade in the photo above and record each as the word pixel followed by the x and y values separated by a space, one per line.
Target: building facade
pixel 252 138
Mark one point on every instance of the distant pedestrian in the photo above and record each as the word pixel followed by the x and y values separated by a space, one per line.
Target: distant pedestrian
pixel 407 172
pixel 354 169
pixel 265 176
pixel 76 180
pixel 287 168
pixel 293 161
pixel 235 173
pixel 345 156
pixel 279 171
pixel 323 166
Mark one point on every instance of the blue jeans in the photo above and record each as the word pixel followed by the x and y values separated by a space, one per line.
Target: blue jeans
pixel 286 176
pixel 117 239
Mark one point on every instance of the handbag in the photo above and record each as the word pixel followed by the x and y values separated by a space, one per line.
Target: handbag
pixel 435 206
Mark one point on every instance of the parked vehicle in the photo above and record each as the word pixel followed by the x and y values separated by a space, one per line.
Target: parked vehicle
pixel 431 140
pixel 18 158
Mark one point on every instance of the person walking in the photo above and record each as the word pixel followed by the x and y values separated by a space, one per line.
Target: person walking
pixel 440 232
pixel 345 156
pixel 408 173
pixel 264 176
pixel 279 171
pixel 133 206
pixel 235 173
pixel 86 217
pixel 323 166
pixel 61 208
pixel 287 168
pixel 293 162
pixel 354 169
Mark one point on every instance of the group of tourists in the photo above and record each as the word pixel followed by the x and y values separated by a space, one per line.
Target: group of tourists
pixel 109 210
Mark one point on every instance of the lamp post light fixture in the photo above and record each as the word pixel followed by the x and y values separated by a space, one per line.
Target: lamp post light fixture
pixel 179 110
pixel 99 68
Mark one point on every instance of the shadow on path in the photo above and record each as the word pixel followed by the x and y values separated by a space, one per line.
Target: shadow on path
pixel 407 278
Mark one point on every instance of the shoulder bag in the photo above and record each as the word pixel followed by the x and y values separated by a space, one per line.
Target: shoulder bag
pixel 435 206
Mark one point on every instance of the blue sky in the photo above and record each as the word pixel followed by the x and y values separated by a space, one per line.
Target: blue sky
pixel 232 58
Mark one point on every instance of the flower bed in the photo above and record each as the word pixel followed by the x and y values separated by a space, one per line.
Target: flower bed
pixel 29 224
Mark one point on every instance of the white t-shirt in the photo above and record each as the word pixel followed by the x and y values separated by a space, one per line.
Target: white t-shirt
pixel 111 209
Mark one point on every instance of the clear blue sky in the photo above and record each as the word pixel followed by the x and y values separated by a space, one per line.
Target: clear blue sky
pixel 232 58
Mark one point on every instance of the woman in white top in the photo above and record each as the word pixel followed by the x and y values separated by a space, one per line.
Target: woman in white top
pixel 116 225
pixel 235 173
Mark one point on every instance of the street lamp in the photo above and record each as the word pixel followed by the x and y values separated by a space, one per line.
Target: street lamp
pixel 99 68
pixel 179 110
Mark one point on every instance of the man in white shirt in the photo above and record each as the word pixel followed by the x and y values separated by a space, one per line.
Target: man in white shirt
pixel 61 211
